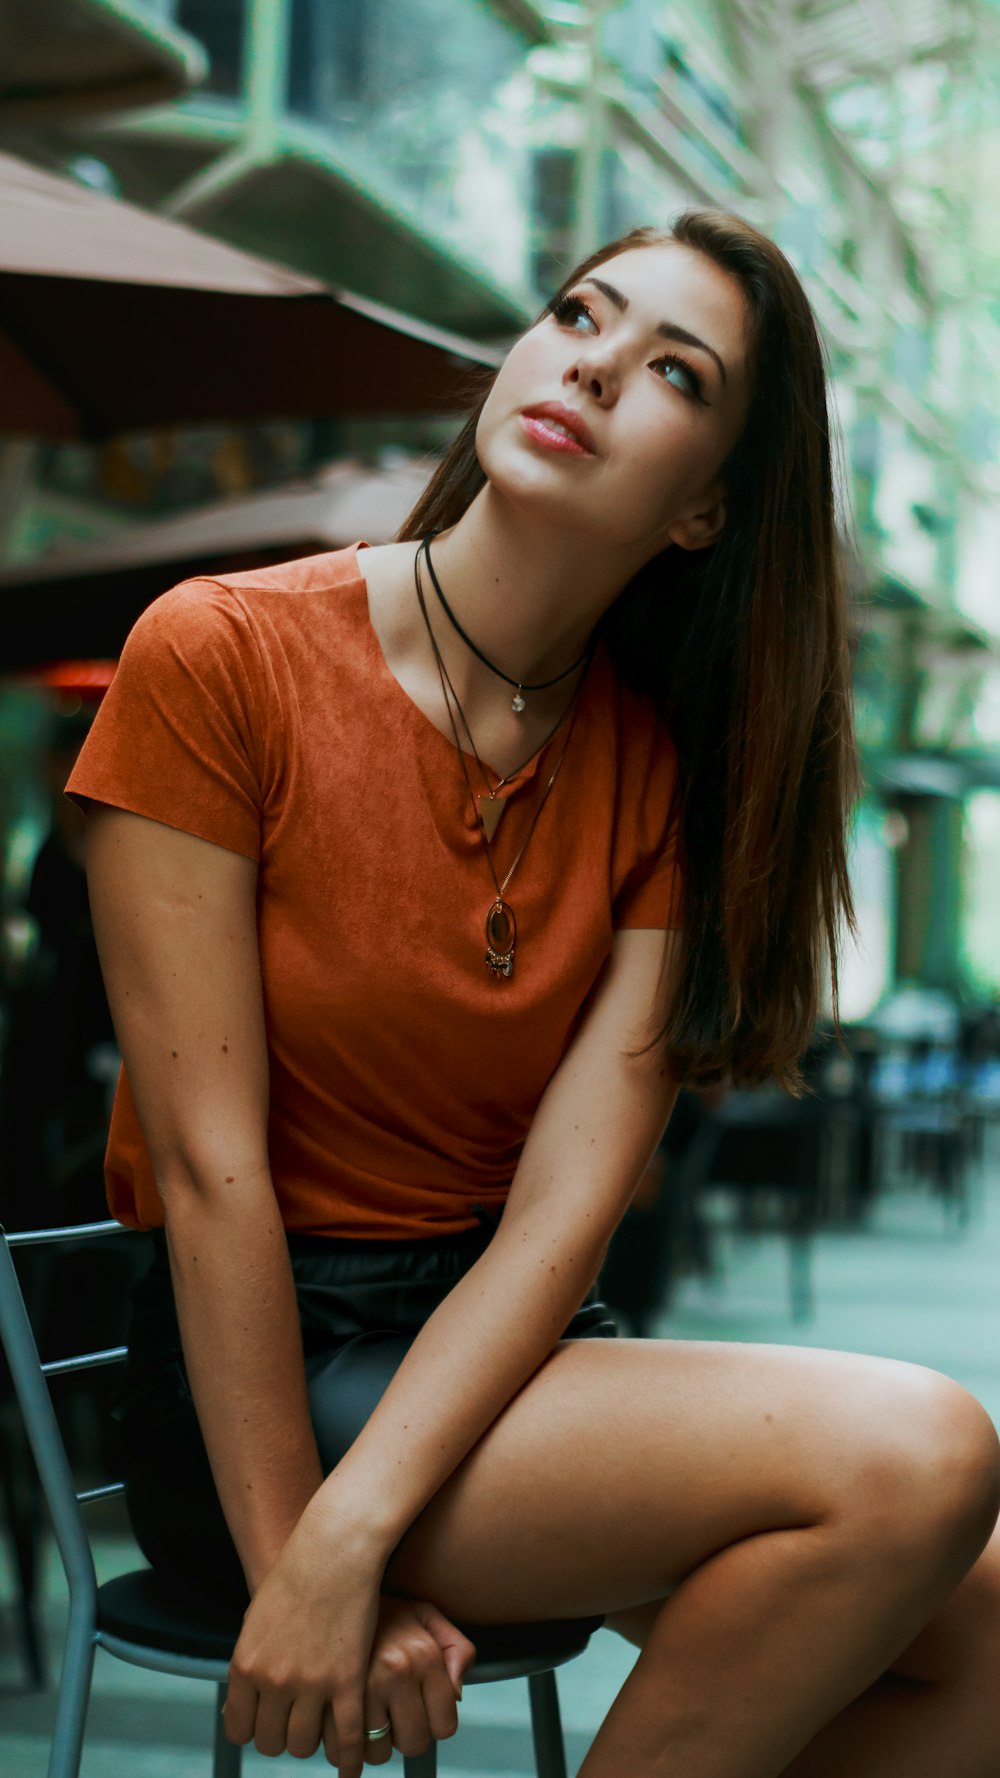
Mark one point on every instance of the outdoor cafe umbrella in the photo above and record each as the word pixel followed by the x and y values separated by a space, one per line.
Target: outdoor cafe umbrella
pixel 78 58
pixel 113 318
pixel 82 600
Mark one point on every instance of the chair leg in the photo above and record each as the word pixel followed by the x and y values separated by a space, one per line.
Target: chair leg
pixel 227 1759
pixel 546 1726
pixel 74 1696
pixel 22 1523
pixel 421 1765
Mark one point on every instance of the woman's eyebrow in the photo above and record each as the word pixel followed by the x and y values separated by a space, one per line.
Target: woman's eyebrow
pixel 668 330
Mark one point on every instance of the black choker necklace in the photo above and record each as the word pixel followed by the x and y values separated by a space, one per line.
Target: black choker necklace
pixel 520 685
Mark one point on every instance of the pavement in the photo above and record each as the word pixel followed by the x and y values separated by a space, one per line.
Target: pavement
pixel 914 1284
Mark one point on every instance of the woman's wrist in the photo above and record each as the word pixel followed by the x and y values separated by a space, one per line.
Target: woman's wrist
pixel 354 1530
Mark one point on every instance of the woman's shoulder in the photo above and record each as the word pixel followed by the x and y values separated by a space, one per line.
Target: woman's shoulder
pixel 266 587
pixel 299 576
pixel 241 610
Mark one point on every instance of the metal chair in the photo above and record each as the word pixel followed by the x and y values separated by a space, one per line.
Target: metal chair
pixel 131 1619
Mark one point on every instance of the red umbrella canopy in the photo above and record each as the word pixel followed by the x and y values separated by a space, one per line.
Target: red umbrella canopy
pixel 113 318
pixel 86 681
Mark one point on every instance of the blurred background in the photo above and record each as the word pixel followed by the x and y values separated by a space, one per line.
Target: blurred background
pixel 447 161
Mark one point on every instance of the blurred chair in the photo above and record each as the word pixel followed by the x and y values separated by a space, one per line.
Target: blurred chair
pixel 922 1125
pixel 131 1619
pixel 765 1147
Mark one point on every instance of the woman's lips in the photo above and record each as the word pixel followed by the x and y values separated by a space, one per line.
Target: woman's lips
pixel 550 435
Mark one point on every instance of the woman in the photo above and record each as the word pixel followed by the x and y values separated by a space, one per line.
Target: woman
pixel 385 858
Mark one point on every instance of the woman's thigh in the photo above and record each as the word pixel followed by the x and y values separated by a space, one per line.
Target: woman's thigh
pixel 622 1465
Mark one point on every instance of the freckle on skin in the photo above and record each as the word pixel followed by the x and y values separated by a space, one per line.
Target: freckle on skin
pixel 174 1054
pixel 229 1178
pixel 225 1049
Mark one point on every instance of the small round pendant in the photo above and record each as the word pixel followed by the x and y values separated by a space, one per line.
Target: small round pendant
pixel 517 703
pixel 501 936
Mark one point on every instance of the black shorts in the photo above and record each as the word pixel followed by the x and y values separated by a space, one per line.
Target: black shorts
pixel 361 1304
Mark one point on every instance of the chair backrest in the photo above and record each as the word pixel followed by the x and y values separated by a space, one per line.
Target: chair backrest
pixel 30 1378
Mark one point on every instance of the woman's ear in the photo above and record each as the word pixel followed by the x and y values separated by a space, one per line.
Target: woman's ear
pixel 697 529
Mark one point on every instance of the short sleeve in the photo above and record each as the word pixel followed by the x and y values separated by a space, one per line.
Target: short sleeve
pixel 180 735
pixel 651 885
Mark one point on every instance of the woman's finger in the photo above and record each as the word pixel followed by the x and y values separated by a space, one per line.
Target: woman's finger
pixel 399 1673
pixel 271 1728
pixel 377 1714
pixel 400 1701
pixel 328 1736
pixel 305 1727
pixel 239 1713
pixel 439 1704
pixel 459 1653
pixel 349 1724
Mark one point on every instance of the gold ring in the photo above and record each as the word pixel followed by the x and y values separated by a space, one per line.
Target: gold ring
pixel 377 1734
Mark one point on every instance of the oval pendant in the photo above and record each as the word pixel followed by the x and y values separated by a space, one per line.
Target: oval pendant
pixel 517 703
pixel 501 935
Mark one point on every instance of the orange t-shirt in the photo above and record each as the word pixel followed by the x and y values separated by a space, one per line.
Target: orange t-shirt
pixel 257 711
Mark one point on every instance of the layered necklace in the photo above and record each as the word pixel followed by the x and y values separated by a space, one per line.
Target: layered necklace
pixel 500 925
pixel 520 685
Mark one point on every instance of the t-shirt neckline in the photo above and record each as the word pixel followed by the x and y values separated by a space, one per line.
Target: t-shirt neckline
pixel 420 721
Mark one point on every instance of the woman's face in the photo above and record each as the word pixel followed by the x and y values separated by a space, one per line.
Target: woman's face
pixel 615 414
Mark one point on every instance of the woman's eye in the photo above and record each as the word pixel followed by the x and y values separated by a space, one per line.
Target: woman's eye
pixel 682 377
pixel 569 311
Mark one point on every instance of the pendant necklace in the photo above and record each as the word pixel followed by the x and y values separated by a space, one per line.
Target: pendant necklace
pixel 489 804
pixel 520 685
pixel 501 925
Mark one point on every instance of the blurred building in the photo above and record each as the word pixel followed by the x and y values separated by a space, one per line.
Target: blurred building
pixel 453 157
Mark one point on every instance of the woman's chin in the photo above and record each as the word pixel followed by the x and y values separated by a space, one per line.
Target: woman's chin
pixel 538 492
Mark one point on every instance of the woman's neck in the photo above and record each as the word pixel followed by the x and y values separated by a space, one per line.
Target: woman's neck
pixel 527 599
pixel 527 595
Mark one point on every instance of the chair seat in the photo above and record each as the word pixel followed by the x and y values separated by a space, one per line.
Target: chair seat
pixel 135 1608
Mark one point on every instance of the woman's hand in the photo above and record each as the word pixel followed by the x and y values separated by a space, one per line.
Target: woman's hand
pixel 418 1662
pixel 322 1657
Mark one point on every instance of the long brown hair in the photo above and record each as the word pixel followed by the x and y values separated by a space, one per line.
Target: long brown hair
pixel 743 646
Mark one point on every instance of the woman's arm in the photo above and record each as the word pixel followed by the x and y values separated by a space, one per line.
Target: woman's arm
pixel 594 1133
pixel 175 922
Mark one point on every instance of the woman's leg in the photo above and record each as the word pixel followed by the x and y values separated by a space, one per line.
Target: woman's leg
pixel 935 1711
pixel 812 1510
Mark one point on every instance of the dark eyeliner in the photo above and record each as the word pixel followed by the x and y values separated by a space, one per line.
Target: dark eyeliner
pixel 565 308
pixel 694 379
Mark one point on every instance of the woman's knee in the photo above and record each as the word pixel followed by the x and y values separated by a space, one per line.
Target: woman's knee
pixel 925 1476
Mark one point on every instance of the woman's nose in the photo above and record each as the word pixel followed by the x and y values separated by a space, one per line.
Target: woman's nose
pixel 595 372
